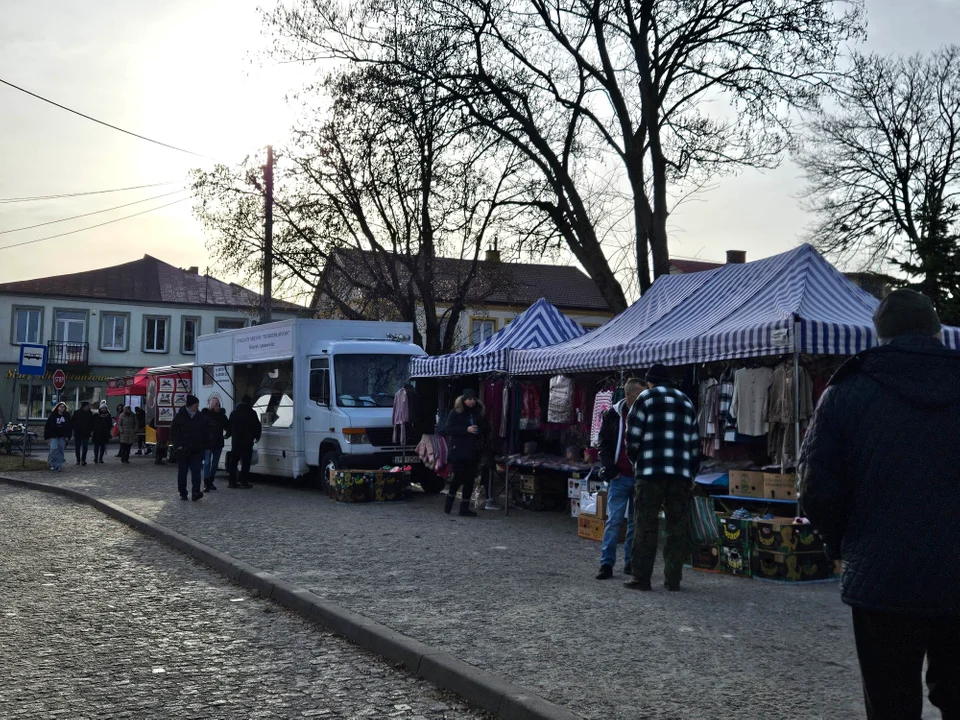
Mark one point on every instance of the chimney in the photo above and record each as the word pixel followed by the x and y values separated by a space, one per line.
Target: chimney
pixel 194 270
pixel 492 255
pixel 736 257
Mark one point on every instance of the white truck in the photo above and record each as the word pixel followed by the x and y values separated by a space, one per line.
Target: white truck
pixel 323 389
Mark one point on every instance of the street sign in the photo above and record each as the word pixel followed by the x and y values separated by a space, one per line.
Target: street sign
pixel 33 360
pixel 59 379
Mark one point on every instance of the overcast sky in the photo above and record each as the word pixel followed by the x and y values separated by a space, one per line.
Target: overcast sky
pixel 180 71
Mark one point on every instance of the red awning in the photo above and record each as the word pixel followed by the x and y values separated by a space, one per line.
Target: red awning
pixel 129 385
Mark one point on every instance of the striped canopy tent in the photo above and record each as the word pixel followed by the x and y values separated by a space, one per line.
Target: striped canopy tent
pixel 539 326
pixel 793 302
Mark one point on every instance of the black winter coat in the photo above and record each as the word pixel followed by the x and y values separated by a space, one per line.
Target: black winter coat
pixel 82 424
pixel 466 447
pixel 609 440
pixel 245 426
pixel 188 432
pixel 102 427
pixel 216 428
pixel 54 429
pixel 880 477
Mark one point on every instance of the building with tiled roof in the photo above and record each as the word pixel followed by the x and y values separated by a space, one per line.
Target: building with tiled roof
pixel 499 292
pixel 114 321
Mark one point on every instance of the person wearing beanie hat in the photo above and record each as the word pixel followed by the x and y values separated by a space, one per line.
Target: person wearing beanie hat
pixel 187 435
pixel 878 477
pixel 663 443
pixel 467 428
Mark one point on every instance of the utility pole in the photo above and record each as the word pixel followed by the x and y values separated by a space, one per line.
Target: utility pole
pixel 268 238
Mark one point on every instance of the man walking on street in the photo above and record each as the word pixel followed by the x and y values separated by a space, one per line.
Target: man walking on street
pixel 245 429
pixel 82 429
pixel 186 432
pixel 879 478
pixel 664 445
pixel 617 470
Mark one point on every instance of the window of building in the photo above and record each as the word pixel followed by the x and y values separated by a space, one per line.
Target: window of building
pixel 190 331
pixel 155 334
pixel 113 331
pixel 482 329
pixel 26 325
pixel 71 326
pixel 230 324
pixel 42 397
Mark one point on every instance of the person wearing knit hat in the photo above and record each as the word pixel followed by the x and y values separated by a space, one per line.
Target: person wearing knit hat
pixel 187 433
pixel 878 478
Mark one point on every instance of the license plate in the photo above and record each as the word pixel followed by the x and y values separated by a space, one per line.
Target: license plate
pixel 405 459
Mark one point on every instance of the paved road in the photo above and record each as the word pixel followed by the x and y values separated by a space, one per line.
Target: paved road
pixel 515 595
pixel 101 622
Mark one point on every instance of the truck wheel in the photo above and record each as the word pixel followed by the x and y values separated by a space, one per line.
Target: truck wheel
pixel 329 461
pixel 429 480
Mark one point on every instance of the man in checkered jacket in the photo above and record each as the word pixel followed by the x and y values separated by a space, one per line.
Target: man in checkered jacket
pixel 664 446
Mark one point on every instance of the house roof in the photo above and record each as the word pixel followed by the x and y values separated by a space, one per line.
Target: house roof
pixel 500 282
pixel 683 267
pixel 147 280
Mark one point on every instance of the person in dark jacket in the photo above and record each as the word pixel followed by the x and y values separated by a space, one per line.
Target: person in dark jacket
pixel 187 434
pixel 82 428
pixel 117 425
pixel 102 427
pixel 663 443
pixel 467 428
pixel 141 429
pixel 617 471
pixel 878 474
pixel 245 430
pixel 216 428
pixel 57 431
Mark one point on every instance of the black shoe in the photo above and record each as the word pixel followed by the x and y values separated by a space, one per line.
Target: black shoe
pixel 209 487
pixel 245 485
pixel 627 569
pixel 605 573
pixel 635 584
pixel 139 453
pixel 233 485
pixel 467 512
pixel 672 588
pixel 196 496
pixel 184 497
pixel 84 462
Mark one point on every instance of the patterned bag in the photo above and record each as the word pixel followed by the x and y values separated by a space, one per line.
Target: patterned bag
pixel 703 522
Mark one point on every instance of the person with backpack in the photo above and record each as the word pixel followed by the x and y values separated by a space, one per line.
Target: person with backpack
pixel 57 430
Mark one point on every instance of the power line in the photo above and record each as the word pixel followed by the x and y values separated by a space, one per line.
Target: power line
pixel 105 124
pixel 95 212
pixel 90 227
pixel 31 198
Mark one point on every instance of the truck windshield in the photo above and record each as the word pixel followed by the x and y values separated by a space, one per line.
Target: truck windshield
pixel 369 380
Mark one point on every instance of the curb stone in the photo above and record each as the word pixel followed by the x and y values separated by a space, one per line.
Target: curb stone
pixel 484 689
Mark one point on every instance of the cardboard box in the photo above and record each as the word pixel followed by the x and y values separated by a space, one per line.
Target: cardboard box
pixel 734 533
pixel 575 486
pixel 544 484
pixel 779 487
pixel 791 567
pixel 590 527
pixel 746 483
pixel 594 485
pixel 706 558
pixel 574 507
pixel 368 486
pixel 602 504
pixel 528 483
pixel 781 535
pixel 735 560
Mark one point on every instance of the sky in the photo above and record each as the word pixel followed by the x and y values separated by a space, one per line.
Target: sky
pixel 187 73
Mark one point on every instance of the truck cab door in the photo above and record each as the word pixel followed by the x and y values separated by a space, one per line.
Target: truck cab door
pixel 317 419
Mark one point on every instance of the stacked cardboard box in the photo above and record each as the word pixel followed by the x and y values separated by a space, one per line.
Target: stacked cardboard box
pixel 735 546
pixel 789 553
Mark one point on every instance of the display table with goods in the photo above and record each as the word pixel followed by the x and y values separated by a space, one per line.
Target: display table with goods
pixel 365 486
pixel 544 482
pixel 14 440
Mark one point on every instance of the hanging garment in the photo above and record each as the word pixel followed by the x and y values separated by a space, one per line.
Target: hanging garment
pixel 492 395
pixel 529 406
pixel 707 415
pixel 601 403
pixel 751 392
pixel 401 416
pixel 505 410
pixel 560 404
pixel 782 400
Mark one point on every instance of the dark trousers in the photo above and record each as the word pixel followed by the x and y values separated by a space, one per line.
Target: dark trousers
pixel 125 451
pixel 464 475
pixel 80 448
pixel 891 649
pixel 240 455
pixel 193 465
pixel 99 448
pixel 674 494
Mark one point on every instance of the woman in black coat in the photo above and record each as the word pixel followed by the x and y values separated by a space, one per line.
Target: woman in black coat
pixel 467 429
pixel 102 429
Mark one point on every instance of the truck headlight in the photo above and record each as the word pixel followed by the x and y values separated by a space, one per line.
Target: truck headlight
pixel 356 437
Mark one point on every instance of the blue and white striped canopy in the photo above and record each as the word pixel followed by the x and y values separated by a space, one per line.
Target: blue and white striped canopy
pixel 755 309
pixel 538 326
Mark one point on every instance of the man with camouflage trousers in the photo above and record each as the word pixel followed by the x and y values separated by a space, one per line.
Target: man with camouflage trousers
pixel 664 446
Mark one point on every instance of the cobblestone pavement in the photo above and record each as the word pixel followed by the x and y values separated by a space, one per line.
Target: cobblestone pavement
pixel 515 595
pixel 102 622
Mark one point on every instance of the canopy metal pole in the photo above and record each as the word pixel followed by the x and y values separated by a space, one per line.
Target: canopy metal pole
pixel 796 396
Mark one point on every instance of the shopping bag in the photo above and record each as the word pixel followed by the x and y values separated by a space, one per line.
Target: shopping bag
pixel 703 522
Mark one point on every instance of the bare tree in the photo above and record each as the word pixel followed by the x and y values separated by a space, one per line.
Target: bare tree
pixel 675 92
pixel 883 169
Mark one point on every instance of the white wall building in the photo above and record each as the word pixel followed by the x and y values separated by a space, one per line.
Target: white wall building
pixel 112 322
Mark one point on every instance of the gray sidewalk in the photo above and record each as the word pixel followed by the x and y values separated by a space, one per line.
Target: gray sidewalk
pixel 516 596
